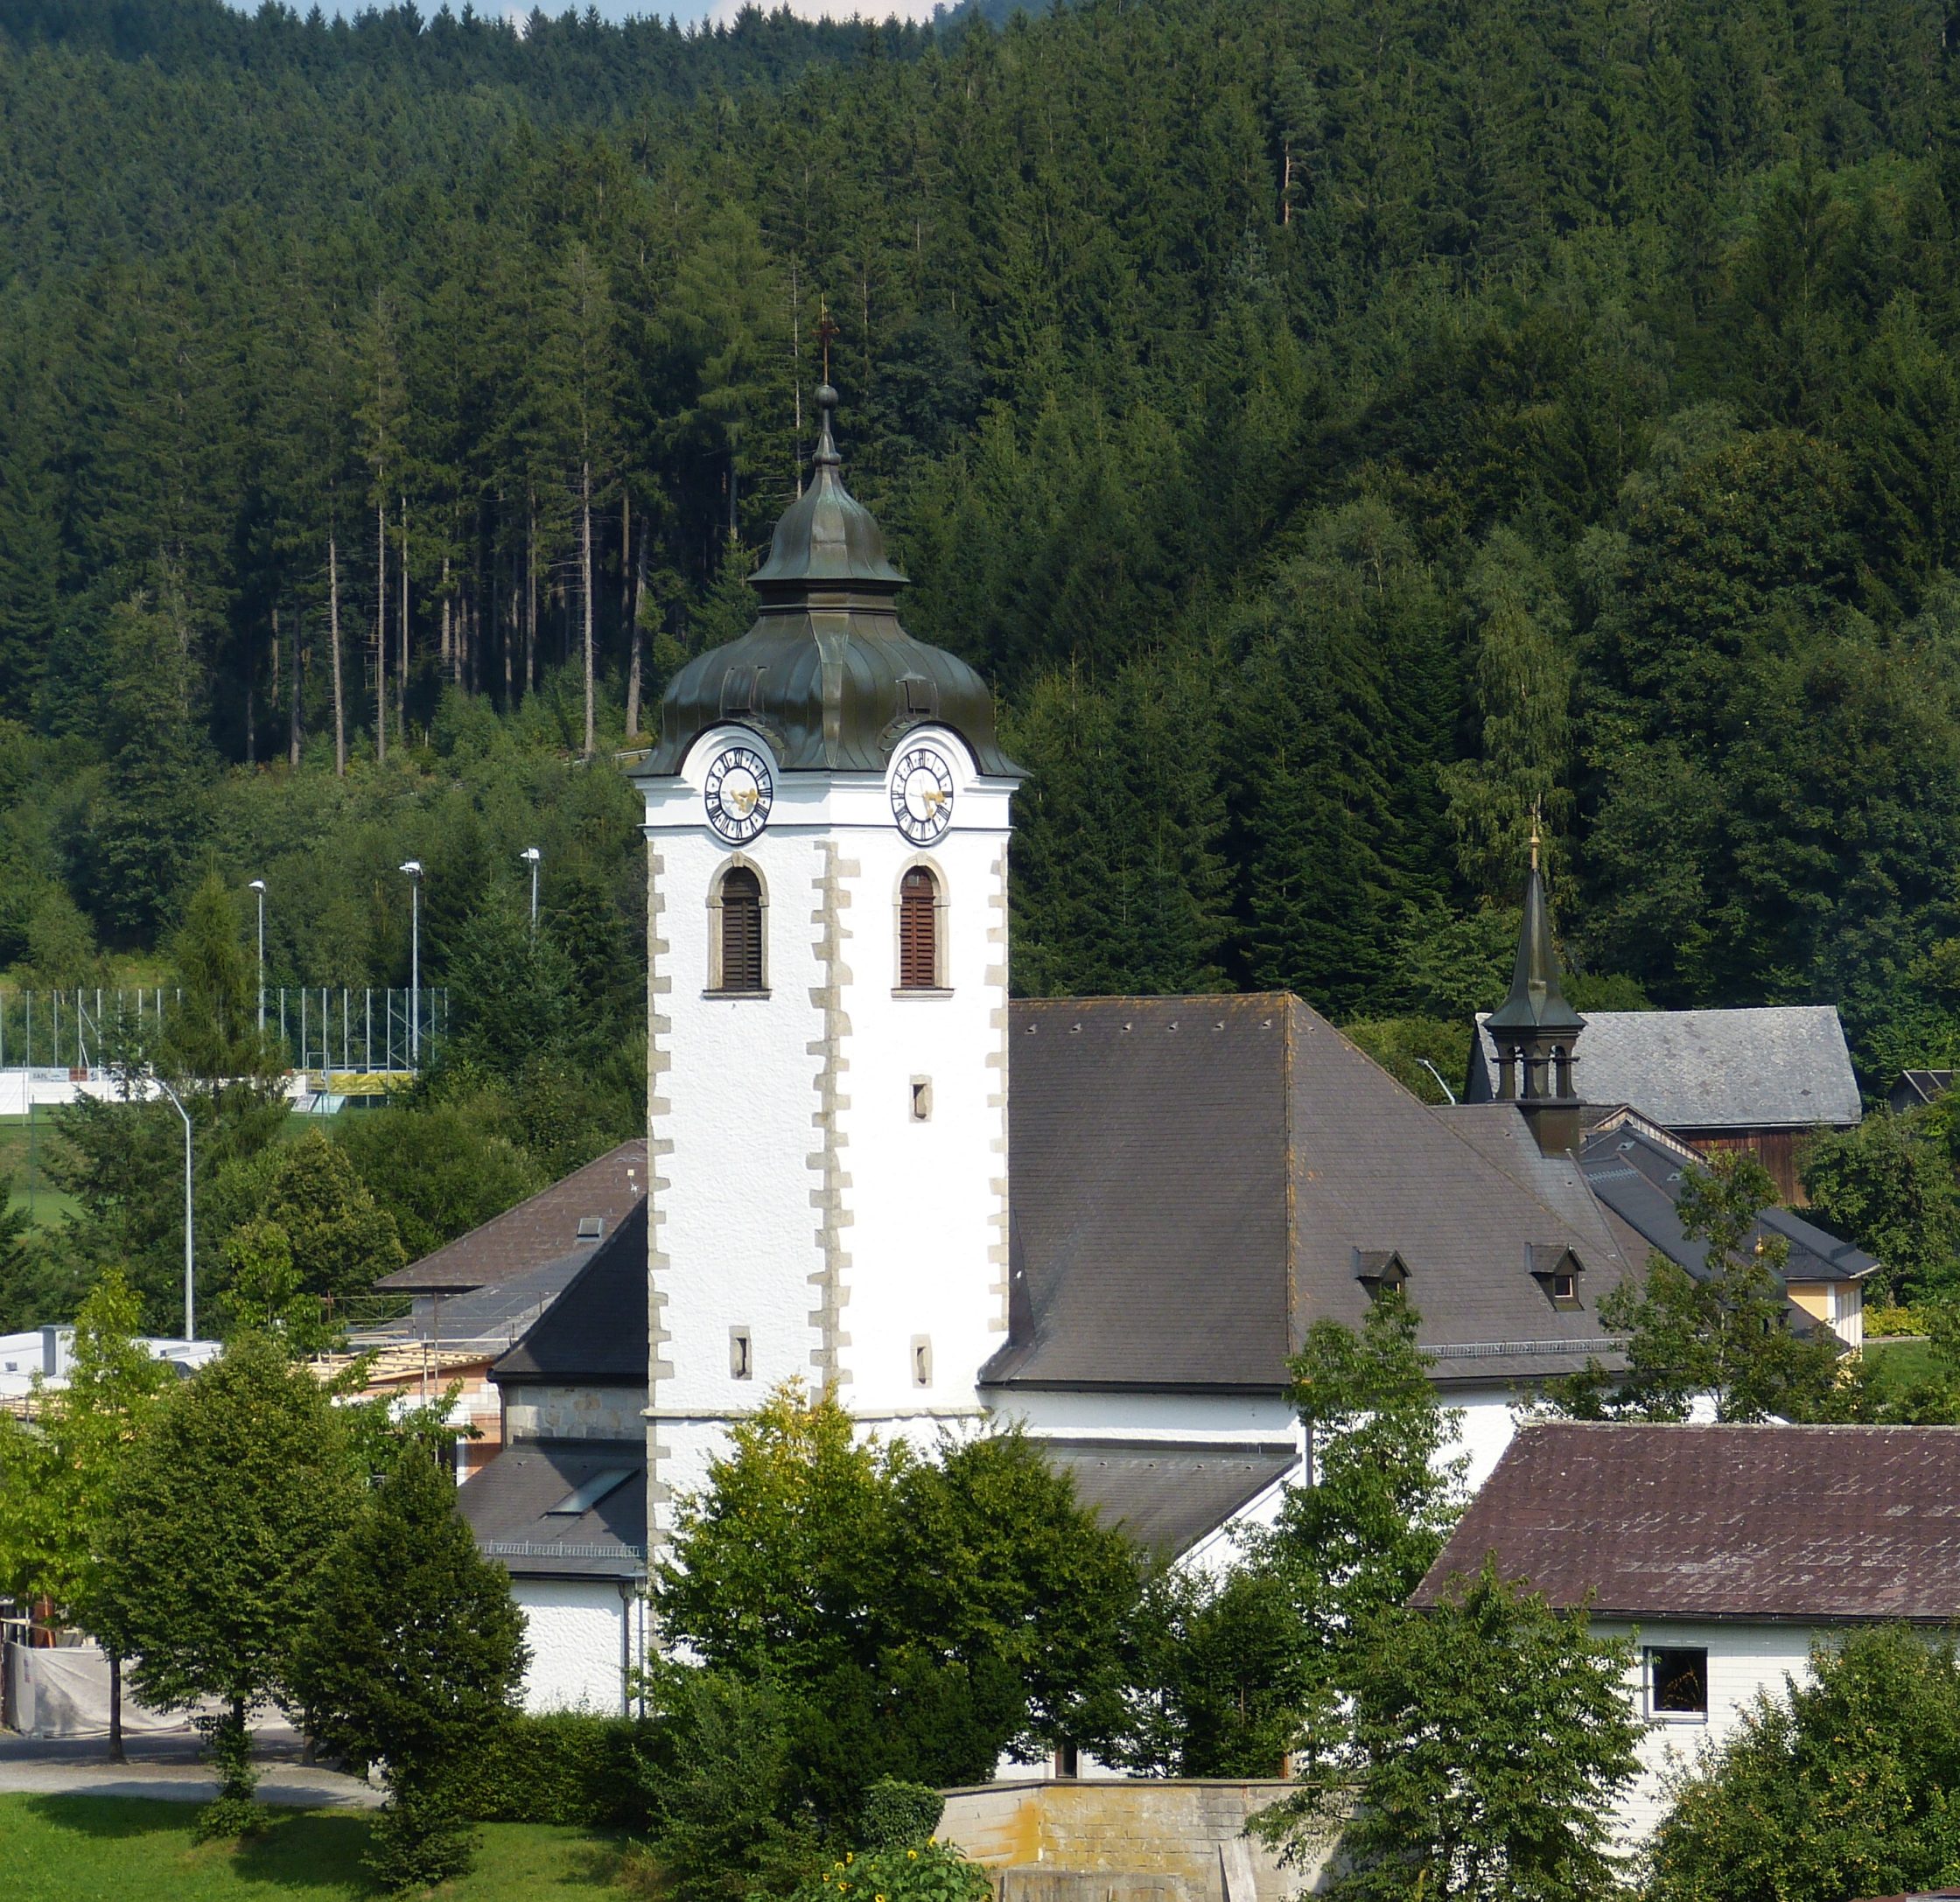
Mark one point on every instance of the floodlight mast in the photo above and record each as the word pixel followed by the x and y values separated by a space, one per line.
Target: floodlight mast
pixel 530 855
pixel 258 885
pixel 413 868
pixel 190 1245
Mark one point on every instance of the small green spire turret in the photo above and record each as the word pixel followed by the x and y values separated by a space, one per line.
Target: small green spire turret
pixel 1535 1029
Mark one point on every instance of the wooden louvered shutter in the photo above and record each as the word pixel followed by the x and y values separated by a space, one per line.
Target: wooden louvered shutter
pixel 918 931
pixel 741 930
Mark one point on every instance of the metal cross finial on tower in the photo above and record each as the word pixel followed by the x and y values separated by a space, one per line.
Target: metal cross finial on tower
pixel 1536 819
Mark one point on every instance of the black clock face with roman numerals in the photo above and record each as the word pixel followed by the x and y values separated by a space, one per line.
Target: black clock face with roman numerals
pixel 738 794
pixel 922 793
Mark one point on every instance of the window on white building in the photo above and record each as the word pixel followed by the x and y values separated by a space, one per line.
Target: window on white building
pixel 1677 1684
pixel 741 1364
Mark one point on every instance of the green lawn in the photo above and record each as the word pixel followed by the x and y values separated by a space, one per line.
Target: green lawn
pixel 105 1849
pixel 50 1204
pixel 1901 1360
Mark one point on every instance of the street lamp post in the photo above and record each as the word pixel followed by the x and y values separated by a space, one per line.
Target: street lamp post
pixel 413 867
pixel 530 855
pixel 190 1247
pixel 258 885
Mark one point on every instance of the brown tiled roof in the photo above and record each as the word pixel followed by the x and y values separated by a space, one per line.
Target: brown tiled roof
pixel 544 1229
pixel 1824 1523
pixel 1197 1179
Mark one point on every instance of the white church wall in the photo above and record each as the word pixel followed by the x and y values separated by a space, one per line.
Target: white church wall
pixel 927 1199
pixel 796 1200
pixel 1488 1422
pixel 1143 1414
pixel 583 1634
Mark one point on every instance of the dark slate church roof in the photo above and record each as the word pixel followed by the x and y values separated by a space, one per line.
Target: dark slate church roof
pixel 1197 1179
pixel 1640 1179
pixel 1167 1497
pixel 1825 1522
pixel 596 1330
pixel 1781 1066
pixel 516 1506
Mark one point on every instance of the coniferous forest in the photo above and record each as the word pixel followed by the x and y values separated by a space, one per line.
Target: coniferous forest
pixel 1338 429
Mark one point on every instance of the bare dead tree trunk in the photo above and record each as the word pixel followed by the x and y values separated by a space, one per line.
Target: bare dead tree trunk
pixel 633 640
pixel 402 656
pixel 626 555
pixel 451 660
pixel 334 642
pixel 251 708
pixel 381 632
pixel 586 565
pixel 293 735
pixel 530 593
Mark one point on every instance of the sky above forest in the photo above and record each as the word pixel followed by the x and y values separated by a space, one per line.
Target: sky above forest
pixel 684 11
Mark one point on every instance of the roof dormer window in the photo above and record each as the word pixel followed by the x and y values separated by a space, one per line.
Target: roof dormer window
pixel 1380 1270
pixel 1557 1269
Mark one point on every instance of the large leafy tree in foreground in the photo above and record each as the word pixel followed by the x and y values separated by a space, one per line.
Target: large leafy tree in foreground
pixel 212 1570
pixel 1842 1786
pixel 61 1474
pixel 912 1617
pixel 1474 1758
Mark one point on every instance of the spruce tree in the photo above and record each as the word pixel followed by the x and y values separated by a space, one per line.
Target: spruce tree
pixel 414 1655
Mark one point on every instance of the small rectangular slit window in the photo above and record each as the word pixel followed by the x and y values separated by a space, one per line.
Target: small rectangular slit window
pixel 741 1362
pixel 921 1360
pixel 921 1098
pixel 1678 1683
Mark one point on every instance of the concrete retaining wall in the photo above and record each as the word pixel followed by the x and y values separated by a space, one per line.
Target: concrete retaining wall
pixel 1129 1840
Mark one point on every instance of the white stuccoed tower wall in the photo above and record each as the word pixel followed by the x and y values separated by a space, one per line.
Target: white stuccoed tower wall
pixel 795 1193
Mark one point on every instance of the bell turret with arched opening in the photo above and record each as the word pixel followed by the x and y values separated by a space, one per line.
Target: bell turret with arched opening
pixel 1535 1030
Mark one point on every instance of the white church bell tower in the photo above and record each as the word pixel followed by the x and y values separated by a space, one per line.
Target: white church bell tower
pixel 827 825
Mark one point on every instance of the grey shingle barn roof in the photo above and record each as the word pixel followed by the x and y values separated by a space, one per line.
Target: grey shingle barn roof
pixel 1782 1066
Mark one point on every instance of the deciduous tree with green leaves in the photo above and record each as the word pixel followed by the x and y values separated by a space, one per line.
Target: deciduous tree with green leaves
pixel 62 1471
pixel 1355 1541
pixel 1729 1333
pixel 1841 1785
pixel 918 1616
pixel 221 1520
pixel 1473 1757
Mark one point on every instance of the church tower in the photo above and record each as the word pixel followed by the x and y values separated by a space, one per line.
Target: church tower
pixel 827 819
pixel 1536 1031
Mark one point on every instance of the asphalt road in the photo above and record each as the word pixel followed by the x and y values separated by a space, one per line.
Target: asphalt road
pixel 169 1766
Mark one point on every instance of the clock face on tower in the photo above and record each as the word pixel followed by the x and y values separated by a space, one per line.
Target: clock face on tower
pixel 922 793
pixel 738 794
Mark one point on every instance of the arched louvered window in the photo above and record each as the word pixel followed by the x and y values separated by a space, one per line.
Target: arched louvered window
pixel 741 930
pixel 918 931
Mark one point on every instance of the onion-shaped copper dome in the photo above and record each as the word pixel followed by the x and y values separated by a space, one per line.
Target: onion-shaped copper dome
pixel 827 674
